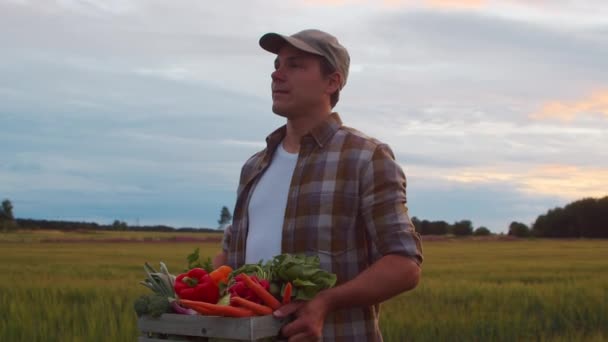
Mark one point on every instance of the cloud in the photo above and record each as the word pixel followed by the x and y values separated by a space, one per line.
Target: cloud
pixel 557 13
pixel 493 204
pixel 568 181
pixel 398 4
pixel 93 7
pixel 494 196
pixel 256 144
pixel 564 181
pixel 135 104
pixel 595 103
pixel 333 2
pixel 393 4
pixel 457 3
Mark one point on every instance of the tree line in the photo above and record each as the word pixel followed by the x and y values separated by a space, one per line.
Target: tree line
pixel 117 225
pixel 459 228
pixel 8 222
pixel 585 218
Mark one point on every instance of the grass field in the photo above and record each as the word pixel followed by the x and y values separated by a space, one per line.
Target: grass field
pixel 529 290
pixel 53 235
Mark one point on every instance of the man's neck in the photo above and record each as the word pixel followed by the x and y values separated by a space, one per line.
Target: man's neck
pixel 299 127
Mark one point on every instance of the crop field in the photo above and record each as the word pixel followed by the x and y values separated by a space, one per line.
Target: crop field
pixel 522 290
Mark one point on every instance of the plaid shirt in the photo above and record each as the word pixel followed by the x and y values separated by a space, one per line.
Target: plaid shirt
pixel 346 204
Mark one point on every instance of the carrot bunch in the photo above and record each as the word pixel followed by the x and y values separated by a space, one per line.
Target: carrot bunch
pixel 216 309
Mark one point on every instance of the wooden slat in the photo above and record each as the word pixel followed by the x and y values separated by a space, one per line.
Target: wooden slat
pixel 248 328
pixel 147 339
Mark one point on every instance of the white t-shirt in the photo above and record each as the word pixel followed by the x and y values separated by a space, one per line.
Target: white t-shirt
pixel 267 207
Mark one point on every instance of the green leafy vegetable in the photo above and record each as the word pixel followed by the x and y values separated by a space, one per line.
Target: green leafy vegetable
pixel 305 274
pixel 195 262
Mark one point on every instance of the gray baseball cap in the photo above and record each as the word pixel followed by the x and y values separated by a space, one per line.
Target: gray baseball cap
pixel 312 41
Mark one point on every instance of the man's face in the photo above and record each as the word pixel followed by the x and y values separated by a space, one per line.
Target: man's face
pixel 298 87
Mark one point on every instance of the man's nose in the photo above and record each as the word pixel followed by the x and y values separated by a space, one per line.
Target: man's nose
pixel 277 75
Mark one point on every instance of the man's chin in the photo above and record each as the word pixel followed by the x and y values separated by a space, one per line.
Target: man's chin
pixel 280 111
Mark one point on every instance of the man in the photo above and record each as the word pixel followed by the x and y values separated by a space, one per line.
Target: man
pixel 324 189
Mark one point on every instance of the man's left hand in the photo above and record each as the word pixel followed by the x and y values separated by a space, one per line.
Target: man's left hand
pixel 308 324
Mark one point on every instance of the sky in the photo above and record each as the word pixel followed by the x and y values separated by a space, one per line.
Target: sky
pixel 145 111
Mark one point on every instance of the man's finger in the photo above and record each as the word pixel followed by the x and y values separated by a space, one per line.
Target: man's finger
pixel 287 309
pixel 292 328
pixel 303 338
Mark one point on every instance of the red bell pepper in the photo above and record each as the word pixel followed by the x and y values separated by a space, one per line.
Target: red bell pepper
pixel 197 285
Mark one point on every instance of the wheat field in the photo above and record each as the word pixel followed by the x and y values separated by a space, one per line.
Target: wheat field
pixel 524 290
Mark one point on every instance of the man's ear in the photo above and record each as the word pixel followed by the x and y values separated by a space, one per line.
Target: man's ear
pixel 335 80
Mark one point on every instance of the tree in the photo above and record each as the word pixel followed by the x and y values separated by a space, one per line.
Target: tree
pixel 439 227
pixel 482 231
pixel 6 212
pixel 462 228
pixel 225 218
pixel 119 225
pixel 417 224
pixel 7 220
pixel 426 227
pixel 519 229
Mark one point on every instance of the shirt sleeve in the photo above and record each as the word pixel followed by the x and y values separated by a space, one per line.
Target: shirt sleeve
pixel 384 209
pixel 226 239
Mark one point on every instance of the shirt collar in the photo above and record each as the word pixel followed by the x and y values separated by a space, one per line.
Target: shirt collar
pixel 324 131
pixel 320 134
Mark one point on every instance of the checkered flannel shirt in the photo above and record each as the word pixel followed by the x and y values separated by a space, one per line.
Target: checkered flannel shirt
pixel 346 204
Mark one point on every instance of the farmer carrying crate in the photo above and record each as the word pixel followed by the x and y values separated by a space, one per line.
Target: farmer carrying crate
pixel 324 190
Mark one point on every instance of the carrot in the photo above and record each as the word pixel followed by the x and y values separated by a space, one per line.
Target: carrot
pixel 287 294
pixel 220 274
pixel 194 305
pixel 261 292
pixel 216 310
pixel 255 307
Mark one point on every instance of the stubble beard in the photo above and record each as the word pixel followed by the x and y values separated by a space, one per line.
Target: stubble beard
pixel 284 112
pixel 278 111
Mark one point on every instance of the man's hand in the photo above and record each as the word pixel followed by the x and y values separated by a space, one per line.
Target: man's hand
pixel 397 273
pixel 309 319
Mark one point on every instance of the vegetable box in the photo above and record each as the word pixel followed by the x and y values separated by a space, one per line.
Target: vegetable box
pixel 174 327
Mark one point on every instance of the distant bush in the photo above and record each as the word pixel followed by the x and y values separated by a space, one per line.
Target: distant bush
pixel 462 228
pixel 519 229
pixel 482 231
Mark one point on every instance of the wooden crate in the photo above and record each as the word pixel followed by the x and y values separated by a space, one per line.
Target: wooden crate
pixel 174 327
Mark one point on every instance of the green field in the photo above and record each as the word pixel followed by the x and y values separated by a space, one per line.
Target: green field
pixel 528 290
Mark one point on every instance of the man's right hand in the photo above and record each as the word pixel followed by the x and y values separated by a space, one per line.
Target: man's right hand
pixel 309 319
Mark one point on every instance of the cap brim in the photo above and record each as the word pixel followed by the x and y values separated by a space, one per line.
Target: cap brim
pixel 273 42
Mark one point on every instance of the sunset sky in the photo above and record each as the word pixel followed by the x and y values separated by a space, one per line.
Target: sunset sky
pixel 144 111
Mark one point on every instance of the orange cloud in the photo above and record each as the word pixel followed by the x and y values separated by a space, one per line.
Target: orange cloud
pixel 566 181
pixel 596 103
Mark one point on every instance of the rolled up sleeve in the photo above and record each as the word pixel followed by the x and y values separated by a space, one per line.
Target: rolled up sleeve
pixel 384 209
pixel 226 239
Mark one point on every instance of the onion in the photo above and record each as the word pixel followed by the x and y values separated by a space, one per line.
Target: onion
pixel 178 309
